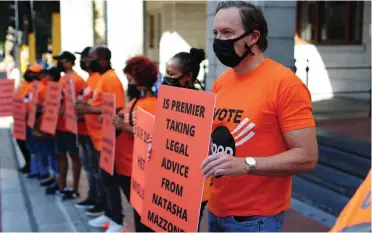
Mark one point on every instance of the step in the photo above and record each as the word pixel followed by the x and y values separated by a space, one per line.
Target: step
pixel 318 195
pixel 345 143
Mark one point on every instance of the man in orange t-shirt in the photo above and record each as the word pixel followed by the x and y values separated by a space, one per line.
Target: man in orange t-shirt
pixel 88 153
pixel 66 142
pixel 109 82
pixel 263 129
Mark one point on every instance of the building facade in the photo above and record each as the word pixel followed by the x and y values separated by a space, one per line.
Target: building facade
pixel 327 43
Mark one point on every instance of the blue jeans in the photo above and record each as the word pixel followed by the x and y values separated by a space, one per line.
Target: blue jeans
pixel 46 153
pixel 272 223
pixel 90 163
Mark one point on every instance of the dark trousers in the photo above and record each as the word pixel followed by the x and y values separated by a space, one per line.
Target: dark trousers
pixel 114 210
pixel 202 207
pixel 26 154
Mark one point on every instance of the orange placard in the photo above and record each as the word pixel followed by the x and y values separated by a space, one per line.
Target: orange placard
pixel 180 142
pixel 143 131
pixel 33 107
pixel 51 108
pixel 6 97
pixel 107 157
pixel 69 103
pixel 19 115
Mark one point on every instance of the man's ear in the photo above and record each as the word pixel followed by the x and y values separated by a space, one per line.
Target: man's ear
pixel 253 38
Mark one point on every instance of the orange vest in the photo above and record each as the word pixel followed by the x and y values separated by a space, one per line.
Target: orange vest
pixel 356 216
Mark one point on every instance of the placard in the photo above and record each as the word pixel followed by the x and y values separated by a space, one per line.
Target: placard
pixel 180 142
pixel 143 132
pixel 107 158
pixel 69 103
pixel 51 108
pixel 33 104
pixel 19 116
pixel 6 97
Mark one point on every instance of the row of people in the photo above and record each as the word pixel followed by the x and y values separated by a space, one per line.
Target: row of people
pixel 103 198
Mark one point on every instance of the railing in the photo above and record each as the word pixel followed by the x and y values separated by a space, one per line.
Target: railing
pixel 307 69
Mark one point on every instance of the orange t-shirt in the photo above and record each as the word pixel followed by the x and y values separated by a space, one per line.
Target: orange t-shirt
pixel 79 85
pixel 108 83
pixel 252 113
pixel 356 216
pixel 92 83
pixel 24 90
pixel 124 142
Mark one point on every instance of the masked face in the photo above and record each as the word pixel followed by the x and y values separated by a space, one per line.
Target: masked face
pixel 28 77
pixel 132 91
pixel 94 65
pixel 225 52
pixel 170 81
pixel 60 66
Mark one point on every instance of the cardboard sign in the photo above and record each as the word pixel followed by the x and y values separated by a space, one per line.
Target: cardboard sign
pixel 51 108
pixel 6 97
pixel 33 104
pixel 69 103
pixel 180 142
pixel 19 115
pixel 143 131
pixel 107 157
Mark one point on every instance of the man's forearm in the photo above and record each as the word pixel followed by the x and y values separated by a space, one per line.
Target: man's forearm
pixel 288 163
pixel 94 110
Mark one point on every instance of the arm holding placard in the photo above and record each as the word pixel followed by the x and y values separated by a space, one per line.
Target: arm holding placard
pixel 121 123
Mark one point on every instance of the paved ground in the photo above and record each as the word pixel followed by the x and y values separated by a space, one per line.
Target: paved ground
pixel 24 207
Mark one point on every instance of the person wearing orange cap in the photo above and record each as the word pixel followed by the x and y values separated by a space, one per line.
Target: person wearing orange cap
pixel 38 167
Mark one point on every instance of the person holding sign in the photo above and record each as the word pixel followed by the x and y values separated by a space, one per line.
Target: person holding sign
pixel 89 155
pixel 38 167
pixel 99 61
pixel 44 141
pixel 24 90
pixel 66 141
pixel 182 71
pixel 141 73
pixel 263 131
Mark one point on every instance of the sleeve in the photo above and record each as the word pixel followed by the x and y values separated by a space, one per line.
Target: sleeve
pixel 79 85
pixel 294 107
pixel 115 87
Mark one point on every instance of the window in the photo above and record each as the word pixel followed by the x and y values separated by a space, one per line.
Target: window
pixel 330 22
pixel 151 31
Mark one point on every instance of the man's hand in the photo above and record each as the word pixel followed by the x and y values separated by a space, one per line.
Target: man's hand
pixel 81 109
pixel 222 164
pixel 81 101
pixel 119 122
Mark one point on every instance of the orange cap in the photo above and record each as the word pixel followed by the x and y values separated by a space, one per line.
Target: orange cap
pixel 37 68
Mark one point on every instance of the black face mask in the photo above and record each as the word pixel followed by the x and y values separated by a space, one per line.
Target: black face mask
pixel 94 66
pixel 83 66
pixel 225 52
pixel 132 91
pixel 174 82
pixel 28 77
pixel 60 67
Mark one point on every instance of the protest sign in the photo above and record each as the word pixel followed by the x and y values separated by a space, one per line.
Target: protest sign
pixel 51 108
pixel 69 103
pixel 143 131
pixel 6 97
pixel 33 105
pixel 107 158
pixel 19 115
pixel 180 142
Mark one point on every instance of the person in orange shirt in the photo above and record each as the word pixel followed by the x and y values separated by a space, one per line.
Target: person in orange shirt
pixel 66 142
pixel 89 155
pixel 37 170
pixel 263 129
pixel 99 61
pixel 141 73
pixel 23 92
pixel 45 142
pixel 356 216
pixel 182 70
